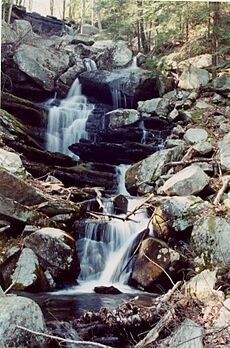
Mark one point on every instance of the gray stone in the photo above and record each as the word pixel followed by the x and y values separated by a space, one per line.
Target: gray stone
pixel 178 131
pixel 141 58
pixel 193 96
pixel 174 142
pixel 189 181
pixel 56 252
pixel 210 241
pixel 224 148
pixel 8 35
pixel 84 39
pixel 224 317
pixel 201 61
pixel 18 190
pixel 201 286
pixel 203 148
pixel 11 162
pixel 72 73
pixel 193 77
pixel 20 311
pixel 121 117
pixel 174 115
pixel 188 335
pixel 185 116
pixel 148 106
pixel 201 104
pixel 89 29
pixel 121 54
pixel 28 273
pixel 141 177
pixel 217 98
pixel 177 214
pixel 43 65
pixel 24 29
pixel 195 135
pixel 2 294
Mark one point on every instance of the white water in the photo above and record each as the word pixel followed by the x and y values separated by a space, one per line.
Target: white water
pixel 66 122
pixel 90 64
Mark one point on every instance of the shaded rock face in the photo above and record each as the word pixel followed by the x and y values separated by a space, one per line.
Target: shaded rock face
pixel 120 88
pixel 56 252
pixel 177 214
pixel 141 177
pixel 15 310
pixel 189 181
pixel 147 274
pixel 210 241
pixel 188 335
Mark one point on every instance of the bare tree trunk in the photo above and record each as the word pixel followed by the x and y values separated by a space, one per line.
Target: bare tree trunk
pixel 141 26
pixel 99 20
pixel 63 9
pixel 10 11
pixel 51 7
pixel 82 14
pixel 30 5
pixel 215 22
pixel 92 11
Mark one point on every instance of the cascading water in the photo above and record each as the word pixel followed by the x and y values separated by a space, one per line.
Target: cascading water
pixel 66 122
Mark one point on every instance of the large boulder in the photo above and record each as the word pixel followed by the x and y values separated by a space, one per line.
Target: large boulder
pixel 141 177
pixel 28 274
pixel 210 241
pixel 20 311
pixel 84 39
pixel 8 35
pixel 121 117
pixel 24 29
pixel 19 190
pixel 189 181
pixel 116 55
pixel 121 88
pixel 224 148
pixel 148 106
pixel 177 214
pixel 193 77
pixel 56 252
pixel 89 29
pixel 67 78
pixel 201 61
pixel 146 273
pixel 42 65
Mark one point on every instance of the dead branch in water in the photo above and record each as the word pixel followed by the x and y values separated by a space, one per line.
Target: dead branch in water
pixel 139 206
pixel 98 215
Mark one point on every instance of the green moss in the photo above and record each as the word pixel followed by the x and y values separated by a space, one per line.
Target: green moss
pixel 196 116
pixel 211 224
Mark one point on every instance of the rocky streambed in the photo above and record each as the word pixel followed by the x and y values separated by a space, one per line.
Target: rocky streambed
pixel 176 143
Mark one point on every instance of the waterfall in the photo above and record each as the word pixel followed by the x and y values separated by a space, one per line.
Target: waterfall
pixel 90 64
pixel 144 132
pixel 66 122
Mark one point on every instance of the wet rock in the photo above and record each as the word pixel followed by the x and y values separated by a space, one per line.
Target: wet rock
pixel 132 87
pixel 188 335
pixel 195 135
pixel 28 275
pixel 24 110
pixel 177 214
pixel 193 77
pixel 22 311
pixel 12 163
pixel 120 204
pixel 224 148
pixel 42 65
pixel 126 153
pixel 121 117
pixel 56 252
pixel 140 178
pixel 19 190
pixel 210 241
pixel 189 181
pixel 147 274
pixel 107 290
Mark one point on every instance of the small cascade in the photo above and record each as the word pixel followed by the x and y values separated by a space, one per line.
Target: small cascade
pixel 90 64
pixel 145 132
pixel 66 122
pixel 121 170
